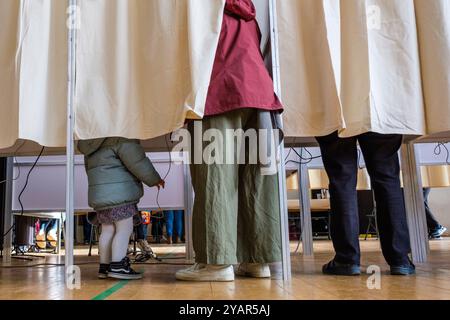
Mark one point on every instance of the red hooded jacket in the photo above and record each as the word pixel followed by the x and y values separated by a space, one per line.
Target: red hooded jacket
pixel 240 78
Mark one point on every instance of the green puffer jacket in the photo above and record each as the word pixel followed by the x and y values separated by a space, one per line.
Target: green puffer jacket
pixel 116 168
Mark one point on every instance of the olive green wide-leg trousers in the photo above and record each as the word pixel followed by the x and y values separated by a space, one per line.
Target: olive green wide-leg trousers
pixel 236 215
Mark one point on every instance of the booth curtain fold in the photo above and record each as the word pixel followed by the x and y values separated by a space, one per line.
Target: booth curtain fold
pixel 433 18
pixel 142 67
pixel 33 71
pixel 365 65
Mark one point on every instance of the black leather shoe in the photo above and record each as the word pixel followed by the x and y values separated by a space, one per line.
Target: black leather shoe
pixel 341 269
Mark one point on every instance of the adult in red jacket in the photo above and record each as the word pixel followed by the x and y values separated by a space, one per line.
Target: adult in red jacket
pixel 236 208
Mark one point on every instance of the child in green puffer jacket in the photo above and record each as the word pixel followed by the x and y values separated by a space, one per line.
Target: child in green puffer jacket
pixel 116 169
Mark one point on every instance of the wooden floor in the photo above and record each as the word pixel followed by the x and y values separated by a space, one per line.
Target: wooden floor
pixel 47 282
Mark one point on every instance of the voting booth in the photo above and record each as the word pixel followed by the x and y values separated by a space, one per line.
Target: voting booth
pixel 81 69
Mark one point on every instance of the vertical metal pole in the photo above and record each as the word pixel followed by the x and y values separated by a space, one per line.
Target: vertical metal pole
pixel 9 218
pixel 188 207
pixel 305 209
pixel 414 202
pixel 60 221
pixel 284 221
pixel 70 147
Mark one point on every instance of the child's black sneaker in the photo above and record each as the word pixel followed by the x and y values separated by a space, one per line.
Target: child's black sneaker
pixel 122 270
pixel 103 271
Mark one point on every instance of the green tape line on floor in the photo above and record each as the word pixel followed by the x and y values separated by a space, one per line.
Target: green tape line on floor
pixel 105 294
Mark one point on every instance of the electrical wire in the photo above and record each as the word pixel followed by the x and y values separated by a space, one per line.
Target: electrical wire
pixel 18 165
pixel 165 177
pixel 303 160
pixel 23 190
pixel 18 173
pixel 311 157
pixel 438 151
pixel 287 156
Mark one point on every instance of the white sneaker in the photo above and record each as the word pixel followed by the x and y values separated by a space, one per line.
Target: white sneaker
pixel 253 270
pixel 207 272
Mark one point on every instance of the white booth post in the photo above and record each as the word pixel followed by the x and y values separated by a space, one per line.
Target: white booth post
pixel 284 221
pixel 188 207
pixel 414 202
pixel 305 208
pixel 7 244
pixel 70 145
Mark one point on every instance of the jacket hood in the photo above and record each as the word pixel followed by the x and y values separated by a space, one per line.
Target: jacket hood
pixel 88 147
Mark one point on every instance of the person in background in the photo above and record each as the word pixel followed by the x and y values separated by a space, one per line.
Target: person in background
pixel 87 229
pixel 157 221
pixel 47 235
pixel 142 231
pixel 340 158
pixel 435 229
pixel 236 217
pixel 174 219
pixel 116 169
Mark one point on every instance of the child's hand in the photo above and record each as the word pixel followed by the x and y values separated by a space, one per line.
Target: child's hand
pixel 161 184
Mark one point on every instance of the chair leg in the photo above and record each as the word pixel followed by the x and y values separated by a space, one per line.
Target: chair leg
pixel 368 228
pixel 376 224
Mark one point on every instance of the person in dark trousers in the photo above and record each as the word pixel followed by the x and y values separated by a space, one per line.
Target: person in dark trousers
pixel 87 229
pixel 381 156
pixel 435 229
pixel 157 221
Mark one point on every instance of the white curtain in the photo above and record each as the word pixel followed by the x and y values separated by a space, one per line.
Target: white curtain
pixel 142 67
pixel 433 20
pixel 377 66
pixel 308 86
pixel 9 11
pixel 381 88
pixel 33 80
